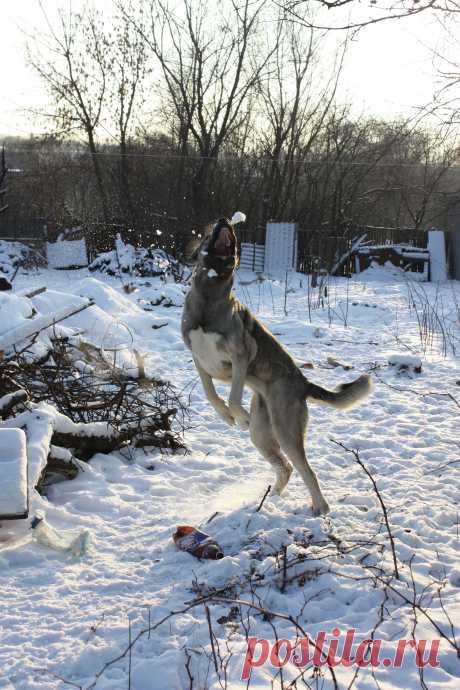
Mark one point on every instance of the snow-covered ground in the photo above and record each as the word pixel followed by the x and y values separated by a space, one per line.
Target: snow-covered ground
pixel 64 619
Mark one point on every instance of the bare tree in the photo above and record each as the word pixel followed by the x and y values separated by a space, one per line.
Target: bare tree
pixel 210 66
pixel 446 106
pixel 297 96
pixel 3 172
pixel 422 178
pixel 389 174
pixel 126 78
pixel 73 61
pixel 356 17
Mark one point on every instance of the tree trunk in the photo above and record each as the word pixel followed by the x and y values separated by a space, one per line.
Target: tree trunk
pixel 99 176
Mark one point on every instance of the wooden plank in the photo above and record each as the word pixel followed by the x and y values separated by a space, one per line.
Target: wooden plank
pixel 31 293
pixel 347 254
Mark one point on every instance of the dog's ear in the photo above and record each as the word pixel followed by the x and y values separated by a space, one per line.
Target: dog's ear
pixel 222 223
pixel 192 248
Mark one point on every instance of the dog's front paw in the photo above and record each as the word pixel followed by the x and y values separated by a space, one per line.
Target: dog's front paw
pixel 240 415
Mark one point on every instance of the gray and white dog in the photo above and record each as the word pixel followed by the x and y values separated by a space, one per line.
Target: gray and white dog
pixel 229 344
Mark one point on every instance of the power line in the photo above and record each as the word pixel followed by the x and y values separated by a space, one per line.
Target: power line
pixel 245 160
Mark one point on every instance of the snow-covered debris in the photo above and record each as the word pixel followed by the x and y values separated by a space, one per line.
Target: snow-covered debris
pixel 40 426
pixel 15 254
pixel 164 296
pixel 14 311
pixel 405 362
pixel 103 323
pixel 140 261
pixel 23 322
pixel 31 327
pixel 80 383
pixel 13 472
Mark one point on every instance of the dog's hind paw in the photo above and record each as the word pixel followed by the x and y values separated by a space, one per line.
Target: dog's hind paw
pixel 240 415
pixel 227 417
pixel 322 508
pixel 224 412
pixel 243 423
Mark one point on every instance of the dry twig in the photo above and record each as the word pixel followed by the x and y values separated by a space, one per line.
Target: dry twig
pixel 355 454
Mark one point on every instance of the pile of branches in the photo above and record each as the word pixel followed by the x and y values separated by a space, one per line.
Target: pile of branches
pixel 96 407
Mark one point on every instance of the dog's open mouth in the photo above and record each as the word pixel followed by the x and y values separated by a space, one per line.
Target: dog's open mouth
pixel 224 245
pixel 222 248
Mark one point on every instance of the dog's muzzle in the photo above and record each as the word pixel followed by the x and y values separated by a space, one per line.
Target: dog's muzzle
pixel 222 248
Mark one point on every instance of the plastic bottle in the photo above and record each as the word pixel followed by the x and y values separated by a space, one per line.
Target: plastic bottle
pixel 199 544
pixel 71 542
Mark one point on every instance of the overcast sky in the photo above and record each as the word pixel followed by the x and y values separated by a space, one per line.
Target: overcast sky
pixel 388 70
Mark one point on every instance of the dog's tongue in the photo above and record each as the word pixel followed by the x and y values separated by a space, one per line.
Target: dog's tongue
pixel 223 243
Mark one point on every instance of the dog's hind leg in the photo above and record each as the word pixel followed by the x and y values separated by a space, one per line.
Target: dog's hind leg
pixel 289 419
pixel 264 440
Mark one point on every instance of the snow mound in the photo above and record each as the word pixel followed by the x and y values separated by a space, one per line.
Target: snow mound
pixel 14 310
pixel 388 273
pixel 106 297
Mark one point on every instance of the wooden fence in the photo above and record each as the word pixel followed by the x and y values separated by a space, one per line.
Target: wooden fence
pixel 319 249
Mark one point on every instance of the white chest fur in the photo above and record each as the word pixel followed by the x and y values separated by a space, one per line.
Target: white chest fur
pixel 207 349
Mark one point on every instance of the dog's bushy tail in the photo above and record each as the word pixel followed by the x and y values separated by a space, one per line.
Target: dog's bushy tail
pixel 344 397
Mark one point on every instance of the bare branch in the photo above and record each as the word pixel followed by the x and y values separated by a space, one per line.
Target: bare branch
pixel 355 454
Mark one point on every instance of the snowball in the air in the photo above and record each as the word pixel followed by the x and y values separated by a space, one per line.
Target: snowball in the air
pixel 238 217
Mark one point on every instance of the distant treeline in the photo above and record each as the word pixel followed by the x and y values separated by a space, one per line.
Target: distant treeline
pixel 358 174
pixel 163 116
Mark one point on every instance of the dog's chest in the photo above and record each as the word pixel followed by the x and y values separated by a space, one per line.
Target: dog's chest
pixel 208 349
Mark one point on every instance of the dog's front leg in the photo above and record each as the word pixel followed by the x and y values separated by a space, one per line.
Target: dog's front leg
pixel 217 402
pixel 239 370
